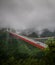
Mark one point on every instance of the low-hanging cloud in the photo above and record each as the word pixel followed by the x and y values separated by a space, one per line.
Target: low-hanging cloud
pixel 24 14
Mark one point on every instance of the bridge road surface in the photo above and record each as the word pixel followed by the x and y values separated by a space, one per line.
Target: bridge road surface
pixel 30 41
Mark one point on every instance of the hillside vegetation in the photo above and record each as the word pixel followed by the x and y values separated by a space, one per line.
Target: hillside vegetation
pixel 14 51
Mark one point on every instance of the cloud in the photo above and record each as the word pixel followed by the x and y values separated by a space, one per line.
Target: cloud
pixel 23 14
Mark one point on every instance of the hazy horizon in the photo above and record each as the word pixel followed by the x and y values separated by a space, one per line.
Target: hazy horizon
pixel 25 14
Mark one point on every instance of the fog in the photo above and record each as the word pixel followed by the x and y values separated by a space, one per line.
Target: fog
pixel 25 14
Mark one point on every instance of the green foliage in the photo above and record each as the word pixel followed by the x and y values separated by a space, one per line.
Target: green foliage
pixel 15 51
pixel 49 57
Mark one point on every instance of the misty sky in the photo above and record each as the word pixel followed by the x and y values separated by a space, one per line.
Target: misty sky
pixel 23 14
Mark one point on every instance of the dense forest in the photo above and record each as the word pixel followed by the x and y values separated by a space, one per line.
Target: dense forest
pixel 14 51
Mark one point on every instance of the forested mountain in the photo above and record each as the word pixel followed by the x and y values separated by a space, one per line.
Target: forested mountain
pixel 47 33
pixel 14 51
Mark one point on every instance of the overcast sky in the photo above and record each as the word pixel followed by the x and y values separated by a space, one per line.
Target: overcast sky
pixel 23 14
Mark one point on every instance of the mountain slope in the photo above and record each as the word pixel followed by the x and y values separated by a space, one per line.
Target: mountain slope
pixel 14 46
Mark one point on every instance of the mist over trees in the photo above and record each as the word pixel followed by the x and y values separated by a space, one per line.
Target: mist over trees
pixel 44 33
pixel 32 33
pixel 47 33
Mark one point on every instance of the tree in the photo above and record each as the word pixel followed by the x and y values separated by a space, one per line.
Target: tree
pixel 46 33
pixel 33 34
pixel 49 57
